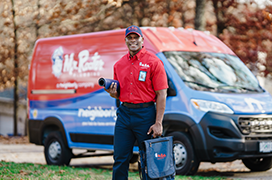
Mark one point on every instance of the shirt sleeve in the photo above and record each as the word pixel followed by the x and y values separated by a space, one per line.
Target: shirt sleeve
pixel 159 78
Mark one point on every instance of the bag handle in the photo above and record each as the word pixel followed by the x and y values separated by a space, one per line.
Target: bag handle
pixel 157 137
pixel 140 170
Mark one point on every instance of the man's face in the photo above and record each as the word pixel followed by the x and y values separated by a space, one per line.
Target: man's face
pixel 134 42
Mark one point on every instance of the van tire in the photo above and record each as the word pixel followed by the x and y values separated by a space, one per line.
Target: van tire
pixel 55 151
pixel 186 161
pixel 258 164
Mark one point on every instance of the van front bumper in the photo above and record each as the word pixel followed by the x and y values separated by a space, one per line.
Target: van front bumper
pixel 225 140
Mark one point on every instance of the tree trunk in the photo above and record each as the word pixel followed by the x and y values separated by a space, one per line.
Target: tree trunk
pixel 15 93
pixel 220 23
pixel 200 21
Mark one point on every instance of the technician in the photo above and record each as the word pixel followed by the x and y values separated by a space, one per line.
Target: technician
pixel 143 82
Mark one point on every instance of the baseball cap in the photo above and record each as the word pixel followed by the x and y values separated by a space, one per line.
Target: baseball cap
pixel 134 29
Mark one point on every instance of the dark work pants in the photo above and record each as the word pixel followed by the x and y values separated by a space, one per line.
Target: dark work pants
pixel 131 125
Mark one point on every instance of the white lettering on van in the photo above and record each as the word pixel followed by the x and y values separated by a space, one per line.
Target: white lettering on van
pixel 98 123
pixel 97 112
pixel 251 102
pixel 83 65
pixel 75 85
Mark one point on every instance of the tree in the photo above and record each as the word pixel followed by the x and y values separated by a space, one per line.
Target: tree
pixel 200 20
pixel 15 92
pixel 224 12
pixel 6 47
pixel 249 34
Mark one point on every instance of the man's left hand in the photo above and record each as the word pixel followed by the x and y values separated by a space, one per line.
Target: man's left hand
pixel 156 128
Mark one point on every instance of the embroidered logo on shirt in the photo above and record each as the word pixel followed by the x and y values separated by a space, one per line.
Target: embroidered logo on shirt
pixel 143 65
pixel 142 75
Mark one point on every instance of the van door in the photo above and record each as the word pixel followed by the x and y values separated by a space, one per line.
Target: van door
pixel 97 111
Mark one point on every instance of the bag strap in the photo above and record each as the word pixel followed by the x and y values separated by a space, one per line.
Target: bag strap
pixel 140 170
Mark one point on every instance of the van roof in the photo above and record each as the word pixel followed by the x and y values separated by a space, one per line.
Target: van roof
pixel 180 39
pixel 166 39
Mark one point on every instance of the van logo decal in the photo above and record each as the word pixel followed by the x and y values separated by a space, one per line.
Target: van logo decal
pixel 85 66
pixel 95 112
pixel 35 113
pixel 57 59
pixel 254 104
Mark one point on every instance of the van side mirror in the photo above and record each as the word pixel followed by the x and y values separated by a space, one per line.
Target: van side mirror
pixel 171 91
pixel 117 102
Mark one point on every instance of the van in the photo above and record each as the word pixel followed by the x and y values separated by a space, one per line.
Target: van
pixel 216 110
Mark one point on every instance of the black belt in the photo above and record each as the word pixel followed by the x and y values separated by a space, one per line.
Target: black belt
pixel 140 105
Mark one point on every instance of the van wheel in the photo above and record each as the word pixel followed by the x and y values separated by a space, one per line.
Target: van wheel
pixel 55 151
pixel 258 164
pixel 185 158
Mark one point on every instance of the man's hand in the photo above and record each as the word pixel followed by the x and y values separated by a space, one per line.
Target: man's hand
pixel 161 100
pixel 156 128
pixel 113 90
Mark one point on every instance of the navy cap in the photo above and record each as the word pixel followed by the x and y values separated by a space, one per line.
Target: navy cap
pixel 134 29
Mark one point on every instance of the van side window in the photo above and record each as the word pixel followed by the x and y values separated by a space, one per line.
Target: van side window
pixel 171 91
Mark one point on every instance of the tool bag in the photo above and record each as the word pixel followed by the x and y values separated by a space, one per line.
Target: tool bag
pixel 157 159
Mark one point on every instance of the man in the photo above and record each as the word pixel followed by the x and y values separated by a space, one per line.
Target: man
pixel 142 80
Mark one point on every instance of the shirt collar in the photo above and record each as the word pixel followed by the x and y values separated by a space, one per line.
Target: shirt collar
pixel 138 55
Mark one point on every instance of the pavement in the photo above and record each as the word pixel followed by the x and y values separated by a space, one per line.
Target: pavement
pixel 30 153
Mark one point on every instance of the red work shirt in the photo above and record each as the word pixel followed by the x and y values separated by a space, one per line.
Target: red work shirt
pixel 139 77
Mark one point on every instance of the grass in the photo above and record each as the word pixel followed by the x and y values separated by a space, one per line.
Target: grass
pixel 11 170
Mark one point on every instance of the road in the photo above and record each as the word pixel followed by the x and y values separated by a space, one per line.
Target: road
pixel 31 153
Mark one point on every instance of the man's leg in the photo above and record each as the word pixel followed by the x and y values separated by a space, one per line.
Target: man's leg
pixel 142 120
pixel 123 144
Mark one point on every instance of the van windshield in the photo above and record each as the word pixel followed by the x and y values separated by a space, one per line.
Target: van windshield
pixel 214 72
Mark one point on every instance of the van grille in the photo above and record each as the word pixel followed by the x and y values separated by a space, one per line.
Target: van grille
pixel 255 125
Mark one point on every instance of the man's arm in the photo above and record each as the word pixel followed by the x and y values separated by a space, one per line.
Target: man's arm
pixel 113 91
pixel 160 107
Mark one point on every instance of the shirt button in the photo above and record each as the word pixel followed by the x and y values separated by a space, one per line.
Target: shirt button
pixel 132 63
pixel 130 93
pixel 131 73
pixel 131 83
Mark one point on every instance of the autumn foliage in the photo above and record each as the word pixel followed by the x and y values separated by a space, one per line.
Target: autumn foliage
pixel 245 27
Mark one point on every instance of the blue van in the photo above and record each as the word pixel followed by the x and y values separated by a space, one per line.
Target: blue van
pixel 216 110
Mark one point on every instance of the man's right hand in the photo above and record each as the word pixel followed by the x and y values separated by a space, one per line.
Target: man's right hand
pixel 113 90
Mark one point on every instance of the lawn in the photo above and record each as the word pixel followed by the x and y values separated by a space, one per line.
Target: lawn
pixel 11 170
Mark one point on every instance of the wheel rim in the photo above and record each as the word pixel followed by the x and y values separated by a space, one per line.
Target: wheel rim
pixel 180 155
pixel 54 150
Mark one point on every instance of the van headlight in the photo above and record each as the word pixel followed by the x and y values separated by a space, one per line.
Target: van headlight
pixel 206 106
